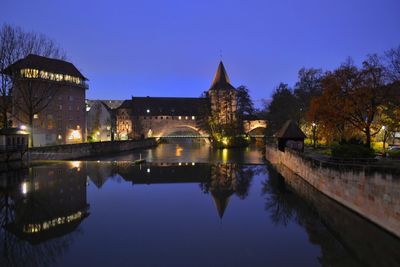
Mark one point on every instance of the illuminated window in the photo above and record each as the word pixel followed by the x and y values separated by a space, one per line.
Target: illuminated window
pixel 179 118
pixel 35 116
pixel 186 117
pixel 193 117
pixel 78 127
pixel 59 137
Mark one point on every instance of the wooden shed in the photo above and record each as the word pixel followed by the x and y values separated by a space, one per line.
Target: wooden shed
pixel 290 136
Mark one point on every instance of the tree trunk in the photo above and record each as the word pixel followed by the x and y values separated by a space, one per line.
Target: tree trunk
pixel 368 137
pixel 31 131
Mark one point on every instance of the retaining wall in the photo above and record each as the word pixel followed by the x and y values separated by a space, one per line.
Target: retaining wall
pixel 372 193
pixel 75 151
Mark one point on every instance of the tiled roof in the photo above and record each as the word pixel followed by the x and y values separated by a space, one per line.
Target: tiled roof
pixel 171 106
pixel 290 130
pixel 44 63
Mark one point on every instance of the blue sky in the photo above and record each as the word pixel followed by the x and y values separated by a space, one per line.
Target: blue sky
pixel 172 48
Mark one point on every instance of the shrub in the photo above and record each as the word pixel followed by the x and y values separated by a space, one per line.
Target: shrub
pixel 352 151
pixel 393 154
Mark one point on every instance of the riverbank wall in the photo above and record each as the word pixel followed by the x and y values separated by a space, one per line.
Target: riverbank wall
pixel 372 192
pixel 83 150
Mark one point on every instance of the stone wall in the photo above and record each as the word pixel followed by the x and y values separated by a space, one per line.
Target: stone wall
pixel 371 192
pixel 371 245
pixel 75 151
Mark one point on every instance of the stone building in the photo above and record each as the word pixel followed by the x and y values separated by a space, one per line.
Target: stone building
pixel 49 94
pixel 159 116
pixel 163 116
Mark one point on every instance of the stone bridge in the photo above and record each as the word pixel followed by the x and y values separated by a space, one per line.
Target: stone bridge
pixel 251 125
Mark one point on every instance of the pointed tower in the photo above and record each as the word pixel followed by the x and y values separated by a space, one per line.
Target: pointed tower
pixel 223 97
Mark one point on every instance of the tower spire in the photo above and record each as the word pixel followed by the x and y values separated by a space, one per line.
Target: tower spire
pixel 221 79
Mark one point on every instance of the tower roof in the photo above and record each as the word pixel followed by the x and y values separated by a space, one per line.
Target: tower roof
pixel 221 79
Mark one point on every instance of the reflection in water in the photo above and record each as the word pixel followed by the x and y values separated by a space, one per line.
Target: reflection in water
pixel 44 214
pixel 40 207
pixel 344 237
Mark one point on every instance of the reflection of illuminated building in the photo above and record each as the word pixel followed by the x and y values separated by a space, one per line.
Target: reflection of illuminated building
pixel 222 185
pixel 50 203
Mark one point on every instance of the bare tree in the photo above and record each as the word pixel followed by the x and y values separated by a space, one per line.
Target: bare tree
pixel 30 98
pixel 15 43
pixel 392 60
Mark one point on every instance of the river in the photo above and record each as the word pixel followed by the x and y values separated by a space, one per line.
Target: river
pixel 188 205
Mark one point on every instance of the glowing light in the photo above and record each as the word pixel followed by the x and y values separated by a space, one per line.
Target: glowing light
pixel 180 117
pixel 148 111
pixel 24 188
pixel 383 127
pixel 180 163
pixel 224 155
pixel 23 127
pixel 314 124
pixel 59 137
pixel 34 73
pixel 178 151
pixel 35 116
pixel 193 163
pixel 193 117
pixel 148 170
pixel 75 164
pixel 75 135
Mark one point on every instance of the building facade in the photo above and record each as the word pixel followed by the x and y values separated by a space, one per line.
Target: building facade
pixel 101 119
pixel 142 117
pixel 49 99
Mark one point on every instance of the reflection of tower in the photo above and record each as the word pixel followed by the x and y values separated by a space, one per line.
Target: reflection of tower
pixel 223 97
pixel 223 185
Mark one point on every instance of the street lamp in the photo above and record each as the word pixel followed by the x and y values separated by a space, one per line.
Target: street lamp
pixel 314 128
pixel 384 136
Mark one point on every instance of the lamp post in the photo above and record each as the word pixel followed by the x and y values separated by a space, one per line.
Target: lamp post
pixel 314 128
pixel 384 137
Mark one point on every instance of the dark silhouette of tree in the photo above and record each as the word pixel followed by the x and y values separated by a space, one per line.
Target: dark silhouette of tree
pixel 309 85
pixel 284 106
pixel 245 105
pixel 15 43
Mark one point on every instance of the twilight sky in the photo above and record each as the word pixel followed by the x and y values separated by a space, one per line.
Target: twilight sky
pixel 172 48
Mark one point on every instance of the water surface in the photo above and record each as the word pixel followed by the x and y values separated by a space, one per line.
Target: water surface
pixel 187 206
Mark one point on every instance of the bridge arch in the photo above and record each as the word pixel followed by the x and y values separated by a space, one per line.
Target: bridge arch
pixel 168 131
pixel 252 125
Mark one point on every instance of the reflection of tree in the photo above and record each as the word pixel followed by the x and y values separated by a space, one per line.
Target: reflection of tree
pixel 284 205
pixel 227 179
